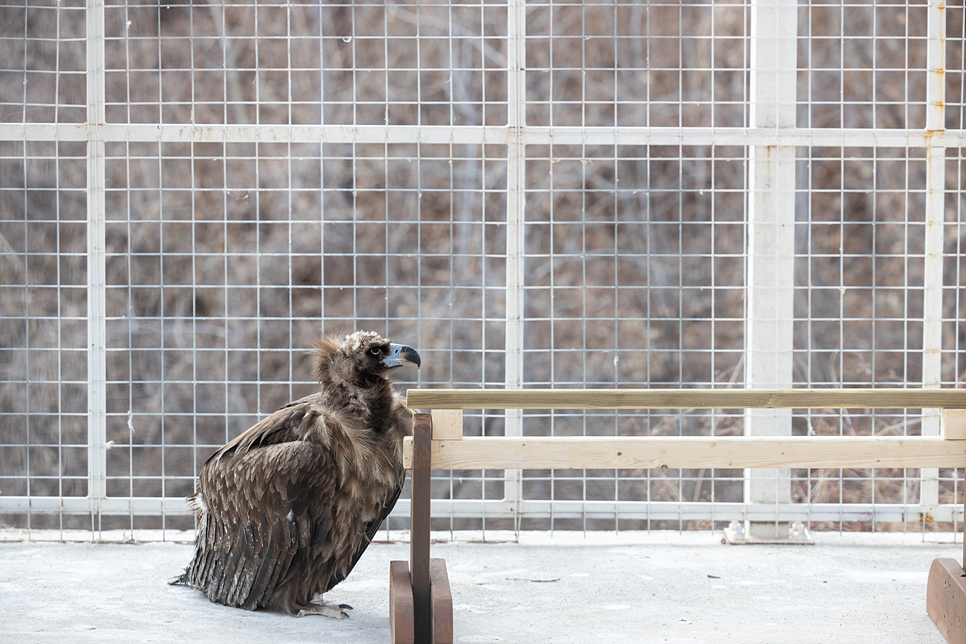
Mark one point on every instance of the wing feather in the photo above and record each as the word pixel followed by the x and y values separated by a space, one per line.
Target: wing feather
pixel 389 502
pixel 247 535
pixel 373 526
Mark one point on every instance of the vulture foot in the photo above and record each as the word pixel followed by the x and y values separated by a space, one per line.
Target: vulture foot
pixel 317 606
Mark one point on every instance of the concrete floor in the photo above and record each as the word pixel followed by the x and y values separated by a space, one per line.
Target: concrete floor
pixel 632 587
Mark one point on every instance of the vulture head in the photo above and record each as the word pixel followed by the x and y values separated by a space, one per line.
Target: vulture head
pixel 360 359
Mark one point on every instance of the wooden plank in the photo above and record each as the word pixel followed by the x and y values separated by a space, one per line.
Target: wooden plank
pixel 420 443
pixel 953 424
pixel 647 452
pixel 400 603
pixel 946 599
pixel 442 602
pixel 447 424
pixel 685 398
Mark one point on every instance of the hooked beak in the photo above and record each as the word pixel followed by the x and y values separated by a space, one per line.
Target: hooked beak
pixel 400 356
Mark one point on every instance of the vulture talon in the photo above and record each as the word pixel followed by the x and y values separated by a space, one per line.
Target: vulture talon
pixel 322 611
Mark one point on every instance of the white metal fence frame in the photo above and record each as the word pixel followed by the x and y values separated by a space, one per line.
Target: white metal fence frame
pixel 772 140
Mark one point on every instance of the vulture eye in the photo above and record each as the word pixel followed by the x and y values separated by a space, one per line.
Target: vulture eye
pixel 375 351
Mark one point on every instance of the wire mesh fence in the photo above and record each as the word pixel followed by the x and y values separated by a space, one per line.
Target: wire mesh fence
pixel 546 194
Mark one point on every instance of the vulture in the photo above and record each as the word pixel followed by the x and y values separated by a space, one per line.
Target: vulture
pixel 285 510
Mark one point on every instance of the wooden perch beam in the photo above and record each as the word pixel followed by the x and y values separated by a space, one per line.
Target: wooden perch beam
pixel 686 398
pixel 565 452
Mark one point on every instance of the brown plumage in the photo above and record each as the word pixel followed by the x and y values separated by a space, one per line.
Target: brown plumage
pixel 286 509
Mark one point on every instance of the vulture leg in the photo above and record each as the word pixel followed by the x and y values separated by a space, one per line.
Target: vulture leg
pixel 318 607
pixel 317 599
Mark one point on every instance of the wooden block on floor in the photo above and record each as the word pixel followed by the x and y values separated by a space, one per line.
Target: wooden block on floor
pixel 400 603
pixel 442 601
pixel 946 599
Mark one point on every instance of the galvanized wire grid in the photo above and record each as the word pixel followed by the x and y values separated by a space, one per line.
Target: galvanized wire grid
pixel 542 194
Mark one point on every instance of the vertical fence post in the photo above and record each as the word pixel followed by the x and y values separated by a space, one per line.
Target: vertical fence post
pixel 932 309
pixel 771 242
pixel 515 224
pixel 96 266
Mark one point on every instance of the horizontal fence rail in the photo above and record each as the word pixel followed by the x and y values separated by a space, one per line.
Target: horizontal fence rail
pixel 890 398
pixel 661 452
pixel 595 452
